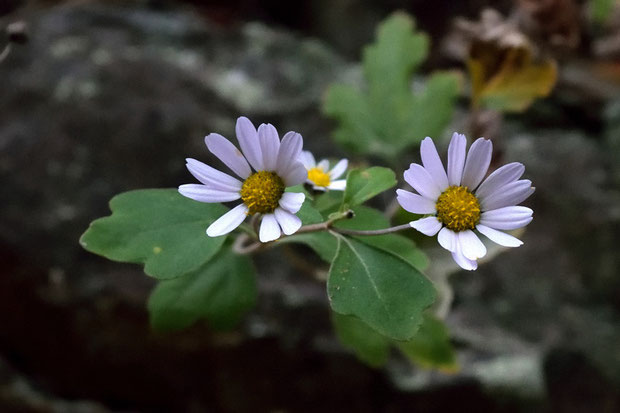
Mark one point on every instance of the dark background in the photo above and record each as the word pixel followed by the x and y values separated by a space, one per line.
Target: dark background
pixel 110 96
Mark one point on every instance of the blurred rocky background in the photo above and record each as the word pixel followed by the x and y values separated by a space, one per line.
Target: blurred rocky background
pixel 110 96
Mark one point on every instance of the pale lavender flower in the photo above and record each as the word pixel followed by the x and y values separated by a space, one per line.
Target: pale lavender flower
pixel 320 176
pixel 261 192
pixel 460 201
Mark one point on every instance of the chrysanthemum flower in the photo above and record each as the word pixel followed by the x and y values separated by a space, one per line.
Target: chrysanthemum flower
pixel 461 202
pixel 261 192
pixel 320 176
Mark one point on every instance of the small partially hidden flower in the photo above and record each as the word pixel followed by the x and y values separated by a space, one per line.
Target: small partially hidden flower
pixel 261 192
pixel 320 176
pixel 460 201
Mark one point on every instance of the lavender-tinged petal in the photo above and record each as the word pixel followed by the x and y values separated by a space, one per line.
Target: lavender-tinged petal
pixel 427 226
pixel 212 177
pixel 508 213
pixel 462 261
pixel 470 245
pixel 289 223
pixel 339 169
pixel 269 228
pixel 203 193
pixel 499 237
pixel 447 239
pixel 477 163
pixel 499 178
pixel 295 175
pixel 228 222
pixel 339 185
pixel 269 145
pixel 228 154
pixel 432 163
pixel 422 181
pixel 292 201
pixel 456 158
pixel 307 159
pixel 290 148
pixel 248 141
pixel 323 165
pixel 511 194
pixel 506 225
pixel 414 203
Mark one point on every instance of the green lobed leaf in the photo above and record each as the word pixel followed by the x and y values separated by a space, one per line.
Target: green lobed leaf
pixel 430 347
pixel 369 346
pixel 384 291
pixel 388 117
pixel 365 184
pixel 221 291
pixel 156 227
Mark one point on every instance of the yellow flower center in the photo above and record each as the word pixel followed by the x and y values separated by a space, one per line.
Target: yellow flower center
pixel 458 209
pixel 261 192
pixel 318 177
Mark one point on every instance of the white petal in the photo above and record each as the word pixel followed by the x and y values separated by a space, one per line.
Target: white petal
pixel 499 178
pixel 228 153
pixel 432 163
pixel 507 218
pixel 269 228
pixel 477 163
pixel 470 245
pixel 289 223
pixel 323 165
pixel 290 148
pixel 292 201
pixel 415 203
pixel 511 194
pixel 339 169
pixel 228 222
pixel 427 226
pixel 499 237
pixel 295 175
pixel 269 145
pixel 248 141
pixel 203 193
pixel 212 177
pixel 339 185
pixel 447 239
pixel 318 188
pixel 456 158
pixel 462 261
pixel 307 159
pixel 422 181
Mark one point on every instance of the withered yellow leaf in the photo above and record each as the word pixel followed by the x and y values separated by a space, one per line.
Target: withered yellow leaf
pixel 506 78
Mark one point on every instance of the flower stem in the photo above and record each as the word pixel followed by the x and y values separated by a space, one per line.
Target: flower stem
pixel 368 232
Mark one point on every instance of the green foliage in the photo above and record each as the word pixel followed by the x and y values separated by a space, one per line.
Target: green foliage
pixel 369 346
pixel 363 185
pixel 220 291
pixel 384 291
pixel 156 227
pixel 398 245
pixel 430 347
pixel 388 117
pixel 321 242
pixel 601 10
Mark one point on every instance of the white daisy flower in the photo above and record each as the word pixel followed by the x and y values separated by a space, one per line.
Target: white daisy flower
pixel 460 201
pixel 261 192
pixel 320 176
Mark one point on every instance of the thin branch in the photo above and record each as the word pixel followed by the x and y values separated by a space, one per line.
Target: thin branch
pixel 370 232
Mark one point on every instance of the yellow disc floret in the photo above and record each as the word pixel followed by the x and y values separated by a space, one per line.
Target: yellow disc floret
pixel 261 192
pixel 318 177
pixel 458 209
